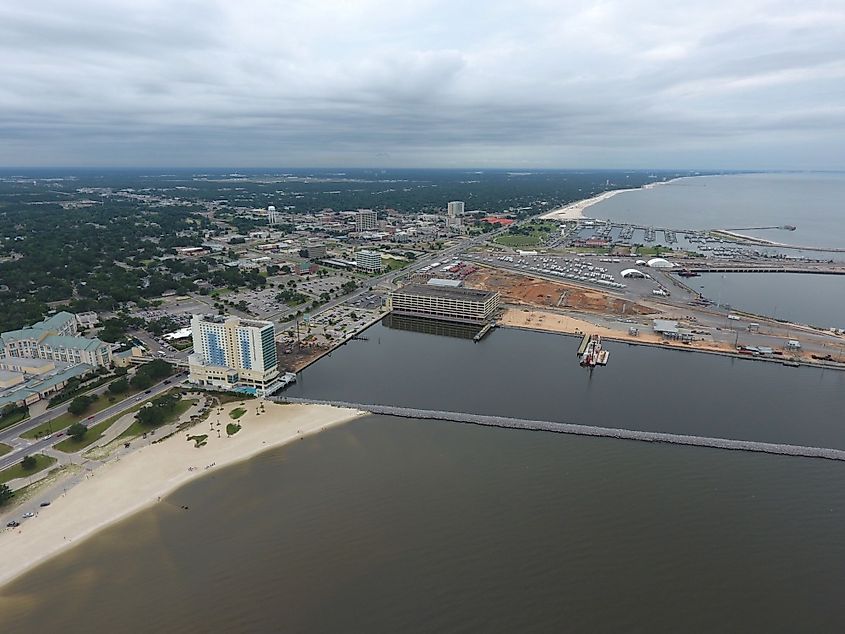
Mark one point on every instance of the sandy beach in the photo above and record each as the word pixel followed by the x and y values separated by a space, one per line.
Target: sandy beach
pixel 139 479
pixel 575 210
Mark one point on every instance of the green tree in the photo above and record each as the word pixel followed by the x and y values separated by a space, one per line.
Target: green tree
pixel 141 381
pixel 79 405
pixel 77 431
pixel 6 494
pixel 119 387
pixel 29 462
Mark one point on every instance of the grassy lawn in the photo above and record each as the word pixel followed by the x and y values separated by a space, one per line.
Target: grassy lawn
pixel 537 231
pixel 138 429
pixel 232 429
pixel 655 250
pixel 392 264
pixel 518 240
pixel 236 413
pixel 8 421
pixel 62 422
pixel 94 433
pixel 4 449
pixel 67 419
pixel 200 440
pixel 17 471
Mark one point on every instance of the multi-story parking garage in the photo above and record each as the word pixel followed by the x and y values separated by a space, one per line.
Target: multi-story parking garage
pixel 443 302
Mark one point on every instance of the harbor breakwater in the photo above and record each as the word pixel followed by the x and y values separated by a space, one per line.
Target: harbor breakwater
pixel 583 430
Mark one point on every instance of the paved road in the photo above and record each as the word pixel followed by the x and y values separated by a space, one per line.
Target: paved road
pixel 391 277
pixel 23 446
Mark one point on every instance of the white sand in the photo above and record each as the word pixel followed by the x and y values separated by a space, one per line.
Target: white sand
pixel 575 210
pixel 138 479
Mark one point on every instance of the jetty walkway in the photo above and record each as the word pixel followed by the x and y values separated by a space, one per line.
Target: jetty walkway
pixel 583 430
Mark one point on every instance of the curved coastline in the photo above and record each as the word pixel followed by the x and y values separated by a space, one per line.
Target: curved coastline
pixel 131 483
pixel 575 211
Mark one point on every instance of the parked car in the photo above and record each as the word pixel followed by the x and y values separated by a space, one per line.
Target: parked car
pixel 45 503
pixel 28 514
pixel 13 524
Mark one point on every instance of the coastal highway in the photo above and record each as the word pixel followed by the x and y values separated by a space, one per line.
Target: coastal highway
pixel 22 446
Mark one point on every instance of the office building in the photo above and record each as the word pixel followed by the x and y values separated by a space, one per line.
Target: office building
pixel 234 354
pixel 443 302
pixel 455 209
pixel 316 251
pixel 366 220
pixel 369 261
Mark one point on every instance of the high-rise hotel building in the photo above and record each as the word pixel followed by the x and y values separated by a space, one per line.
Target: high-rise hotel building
pixel 234 353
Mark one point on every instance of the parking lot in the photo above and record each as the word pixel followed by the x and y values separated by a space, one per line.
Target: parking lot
pixel 316 286
pixel 595 270
pixel 367 301
pixel 328 328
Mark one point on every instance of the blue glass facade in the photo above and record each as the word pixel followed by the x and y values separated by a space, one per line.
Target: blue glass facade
pixel 246 350
pixel 216 353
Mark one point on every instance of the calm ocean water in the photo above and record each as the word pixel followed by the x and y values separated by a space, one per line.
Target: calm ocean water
pixel 536 376
pixel 388 525
pixel 811 202
pixel 818 300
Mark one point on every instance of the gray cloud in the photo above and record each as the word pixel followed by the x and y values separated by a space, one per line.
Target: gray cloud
pixel 541 83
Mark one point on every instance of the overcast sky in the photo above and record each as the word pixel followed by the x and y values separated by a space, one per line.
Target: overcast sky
pixel 511 83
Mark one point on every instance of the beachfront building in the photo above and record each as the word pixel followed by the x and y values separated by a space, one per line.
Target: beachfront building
pixel 369 261
pixel 55 339
pixel 234 354
pixel 464 305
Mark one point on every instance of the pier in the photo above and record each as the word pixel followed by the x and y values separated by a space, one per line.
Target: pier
pixel 808 270
pixel 483 332
pixel 583 430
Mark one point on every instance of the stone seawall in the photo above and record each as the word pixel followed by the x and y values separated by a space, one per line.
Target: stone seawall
pixel 586 430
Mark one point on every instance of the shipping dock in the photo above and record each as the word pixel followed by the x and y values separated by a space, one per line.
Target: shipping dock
pixel 591 352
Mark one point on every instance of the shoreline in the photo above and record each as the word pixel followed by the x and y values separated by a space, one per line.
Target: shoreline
pixel 765 242
pixel 134 482
pixel 663 344
pixel 575 211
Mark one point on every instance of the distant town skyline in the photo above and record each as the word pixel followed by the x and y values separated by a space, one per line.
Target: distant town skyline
pixel 537 84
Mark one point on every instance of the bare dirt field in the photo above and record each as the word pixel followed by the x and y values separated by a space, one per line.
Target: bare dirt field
pixel 525 290
pixel 554 322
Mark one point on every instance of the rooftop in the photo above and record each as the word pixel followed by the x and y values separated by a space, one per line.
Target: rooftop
pixel 72 343
pixel 446 292
pixel 56 322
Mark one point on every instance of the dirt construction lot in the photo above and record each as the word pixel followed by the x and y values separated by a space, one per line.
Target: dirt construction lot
pixel 552 322
pixel 531 291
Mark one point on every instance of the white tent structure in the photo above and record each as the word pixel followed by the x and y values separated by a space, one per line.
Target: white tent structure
pixel 659 263
pixel 632 273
